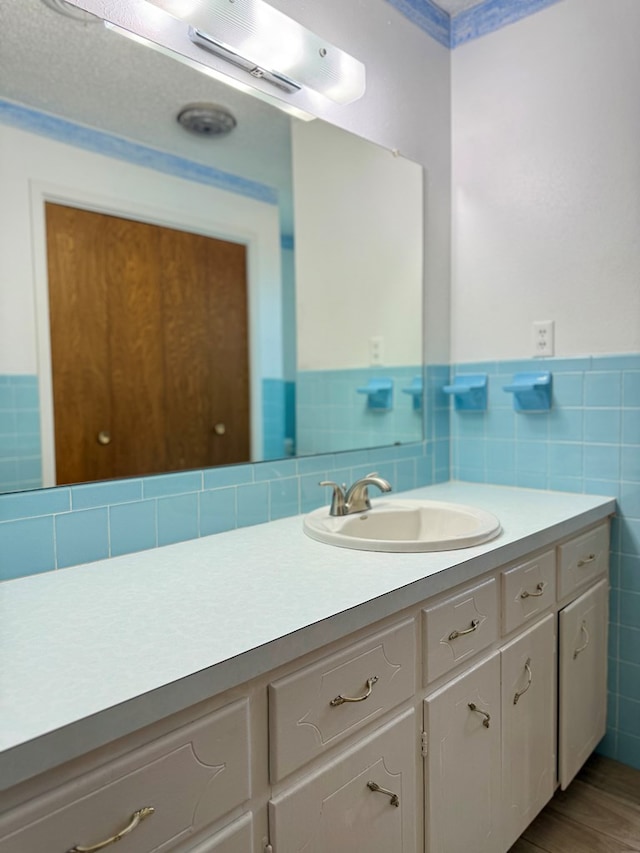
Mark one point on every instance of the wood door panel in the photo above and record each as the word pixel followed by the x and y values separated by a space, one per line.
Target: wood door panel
pixel 79 343
pixel 149 330
pixel 135 350
pixel 206 354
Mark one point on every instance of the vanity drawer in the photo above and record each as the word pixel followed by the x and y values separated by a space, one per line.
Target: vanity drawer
pixel 583 559
pixel 527 590
pixel 308 712
pixel 190 778
pixel 458 628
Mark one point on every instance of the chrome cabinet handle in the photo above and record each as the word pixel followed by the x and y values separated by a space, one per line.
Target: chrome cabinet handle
pixel 474 626
pixel 520 693
pixel 583 629
pixel 585 560
pixel 487 717
pixel 539 591
pixel 395 799
pixel 339 700
pixel 136 818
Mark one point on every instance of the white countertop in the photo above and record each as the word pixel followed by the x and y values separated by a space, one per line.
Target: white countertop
pixel 94 652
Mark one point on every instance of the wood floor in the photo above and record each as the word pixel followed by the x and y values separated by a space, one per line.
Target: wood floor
pixel 598 813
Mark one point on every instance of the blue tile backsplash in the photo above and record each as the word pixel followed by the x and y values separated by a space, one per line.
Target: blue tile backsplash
pixel 65 526
pixel 20 453
pixel 332 414
pixel 588 442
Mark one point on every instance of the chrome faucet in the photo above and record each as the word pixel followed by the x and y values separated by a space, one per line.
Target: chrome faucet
pixel 355 499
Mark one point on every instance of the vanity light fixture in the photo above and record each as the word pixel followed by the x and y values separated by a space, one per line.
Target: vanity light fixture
pixel 173 53
pixel 270 46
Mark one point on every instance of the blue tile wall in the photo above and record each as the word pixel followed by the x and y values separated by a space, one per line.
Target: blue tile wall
pixel 55 528
pixel 278 421
pixel 331 414
pixel 589 442
pixel 20 450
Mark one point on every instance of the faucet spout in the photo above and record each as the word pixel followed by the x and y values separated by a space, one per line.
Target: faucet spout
pixel 357 497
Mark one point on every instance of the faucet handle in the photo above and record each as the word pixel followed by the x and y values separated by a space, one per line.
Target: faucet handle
pixel 337 501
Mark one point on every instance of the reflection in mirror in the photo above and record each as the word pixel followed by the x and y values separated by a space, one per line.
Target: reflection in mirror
pixel 170 300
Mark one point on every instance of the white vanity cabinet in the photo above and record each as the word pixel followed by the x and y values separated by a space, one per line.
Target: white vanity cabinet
pixel 528 674
pixel 583 679
pixel 501 734
pixel 444 725
pixel 236 838
pixel 490 735
pixel 154 797
pixel 462 725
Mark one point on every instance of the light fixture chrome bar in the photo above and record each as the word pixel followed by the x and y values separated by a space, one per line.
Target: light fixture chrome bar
pixel 224 52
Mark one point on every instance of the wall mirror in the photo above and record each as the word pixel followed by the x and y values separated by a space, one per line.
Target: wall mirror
pixel 168 285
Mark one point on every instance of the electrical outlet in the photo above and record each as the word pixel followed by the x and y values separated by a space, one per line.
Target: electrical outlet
pixel 376 350
pixel 543 338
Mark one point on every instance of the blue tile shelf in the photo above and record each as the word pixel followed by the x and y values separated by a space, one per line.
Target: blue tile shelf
pixel 379 394
pixel 531 391
pixel 469 392
pixel 416 391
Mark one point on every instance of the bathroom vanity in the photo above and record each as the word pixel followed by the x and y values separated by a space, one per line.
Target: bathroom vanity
pixel 260 691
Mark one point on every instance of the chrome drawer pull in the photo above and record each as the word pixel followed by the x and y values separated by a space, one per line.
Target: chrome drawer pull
pixel 340 699
pixel 539 591
pixel 585 560
pixel 487 717
pixel 583 629
pixel 136 818
pixel 474 625
pixel 520 693
pixel 395 799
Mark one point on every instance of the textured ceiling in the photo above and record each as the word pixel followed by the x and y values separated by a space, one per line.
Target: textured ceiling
pixel 85 73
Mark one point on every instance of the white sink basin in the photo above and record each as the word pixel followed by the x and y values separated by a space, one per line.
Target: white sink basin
pixel 404 526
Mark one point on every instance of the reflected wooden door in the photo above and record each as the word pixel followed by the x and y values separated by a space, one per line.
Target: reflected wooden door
pixel 149 347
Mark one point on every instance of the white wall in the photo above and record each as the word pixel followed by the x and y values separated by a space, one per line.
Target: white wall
pixel 406 107
pixel 359 250
pixel 546 183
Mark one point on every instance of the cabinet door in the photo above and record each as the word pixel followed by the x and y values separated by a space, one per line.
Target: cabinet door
pixel 528 726
pixel 462 722
pixel 337 809
pixel 583 679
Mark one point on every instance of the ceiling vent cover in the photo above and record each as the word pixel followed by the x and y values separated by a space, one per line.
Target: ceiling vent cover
pixel 206 119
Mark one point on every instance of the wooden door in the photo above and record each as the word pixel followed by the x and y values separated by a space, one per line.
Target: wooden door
pixel 582 679
pixel 528 726
pixel 463 799
pixel 149 335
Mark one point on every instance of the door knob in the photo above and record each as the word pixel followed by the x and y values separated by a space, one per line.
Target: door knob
pixel 104 437
pixel 219 429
